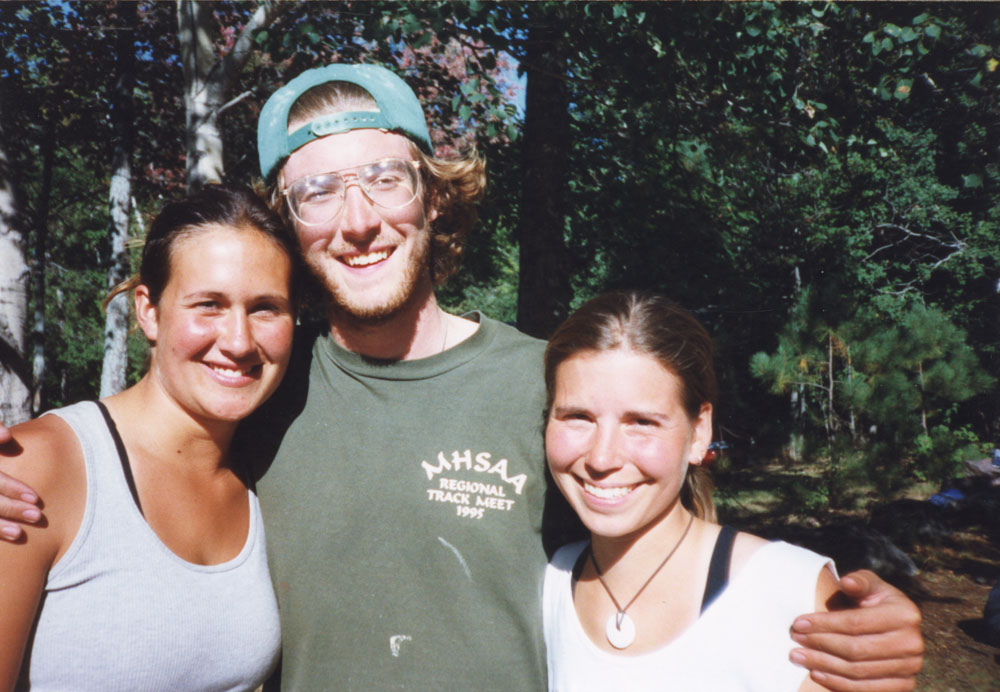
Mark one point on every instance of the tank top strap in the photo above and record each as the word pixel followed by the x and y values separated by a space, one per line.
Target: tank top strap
pixel 718 568
pixel 122 454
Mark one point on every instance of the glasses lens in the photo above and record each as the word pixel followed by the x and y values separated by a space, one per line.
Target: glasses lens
pixel 316 199
pixel 390 183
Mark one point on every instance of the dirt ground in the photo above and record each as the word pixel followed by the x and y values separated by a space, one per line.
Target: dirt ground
pixel 951 590
pixel 955 571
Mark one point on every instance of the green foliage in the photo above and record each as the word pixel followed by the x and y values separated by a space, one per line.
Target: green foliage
pixel 890 382
pixel 818 182
pixel 940 452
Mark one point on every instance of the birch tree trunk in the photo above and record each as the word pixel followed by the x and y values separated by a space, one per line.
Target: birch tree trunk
pixel 15 371
pixel 113 368
pixel 40 268
pixel 207 81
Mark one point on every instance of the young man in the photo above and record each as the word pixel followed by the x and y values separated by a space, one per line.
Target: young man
pixel 401 468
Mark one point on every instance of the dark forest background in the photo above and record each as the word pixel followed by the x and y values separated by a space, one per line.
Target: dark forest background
pixel 817 182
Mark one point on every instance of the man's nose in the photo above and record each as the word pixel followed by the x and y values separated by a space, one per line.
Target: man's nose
pixel 359 219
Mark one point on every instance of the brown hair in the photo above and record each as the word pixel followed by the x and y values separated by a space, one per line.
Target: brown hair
pixel 453 185
pixel 213 205
pixel 655 326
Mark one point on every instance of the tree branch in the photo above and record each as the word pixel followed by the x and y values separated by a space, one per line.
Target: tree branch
pixel 232 102
pixel 233 61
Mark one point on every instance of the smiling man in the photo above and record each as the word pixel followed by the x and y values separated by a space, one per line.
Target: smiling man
pixel 401 465
pixel 404 502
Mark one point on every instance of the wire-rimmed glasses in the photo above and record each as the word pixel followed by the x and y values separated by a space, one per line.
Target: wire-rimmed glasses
pixel 388 183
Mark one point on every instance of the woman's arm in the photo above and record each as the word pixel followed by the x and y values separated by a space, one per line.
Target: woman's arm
pixel 48 456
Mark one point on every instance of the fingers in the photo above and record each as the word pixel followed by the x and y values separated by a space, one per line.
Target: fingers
pixel 898 675
pixel 871 669
pixel 18 503
pixel 894 637
pixel 867 605
pixel 866 588
pixel 836 683
pixel 886 618
pixel 872 644
pixel 5 435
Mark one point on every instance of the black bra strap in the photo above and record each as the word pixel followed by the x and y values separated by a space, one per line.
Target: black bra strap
pixel 718 568
pixel 122 454
pixel 580 562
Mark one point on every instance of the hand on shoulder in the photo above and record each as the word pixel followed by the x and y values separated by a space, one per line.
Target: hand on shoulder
pixel 46 456
pixel 869 641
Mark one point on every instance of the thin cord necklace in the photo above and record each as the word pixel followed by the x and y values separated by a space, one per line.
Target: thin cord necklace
pixel 619 629
pixel 444 342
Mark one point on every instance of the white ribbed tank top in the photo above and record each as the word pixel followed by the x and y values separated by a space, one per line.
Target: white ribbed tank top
pixel 121 611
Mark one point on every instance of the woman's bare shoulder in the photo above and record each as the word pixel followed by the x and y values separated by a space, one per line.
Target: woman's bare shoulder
pixel 43 452
pixel 47 455
pixel 745 545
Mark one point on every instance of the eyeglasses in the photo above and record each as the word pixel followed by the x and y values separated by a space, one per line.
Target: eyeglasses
pixel 387 183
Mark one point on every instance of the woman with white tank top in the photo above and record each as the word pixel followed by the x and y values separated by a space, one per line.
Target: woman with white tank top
pixel 150 571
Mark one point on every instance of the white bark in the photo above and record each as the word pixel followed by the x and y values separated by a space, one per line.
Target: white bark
pixel 207 81
pixel 116 315
pixel 39 268
pixel 113 369
pixel 15 371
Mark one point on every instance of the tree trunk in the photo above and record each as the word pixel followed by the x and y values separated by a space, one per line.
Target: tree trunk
pixel 543 291
pixel 119 197
pixel 15 371
pixel 208 79
pixel 40 268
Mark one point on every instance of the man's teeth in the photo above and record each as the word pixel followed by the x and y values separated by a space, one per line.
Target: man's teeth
pixel 365 260
pixel 608 493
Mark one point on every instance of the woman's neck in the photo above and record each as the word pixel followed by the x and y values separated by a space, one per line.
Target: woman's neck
pixel 159 428
pixel 632 558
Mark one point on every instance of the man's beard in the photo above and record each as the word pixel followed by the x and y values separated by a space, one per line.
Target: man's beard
pixel 343 303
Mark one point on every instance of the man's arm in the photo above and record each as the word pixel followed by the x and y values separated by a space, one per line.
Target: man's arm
pixel 18 502
pixel 873 644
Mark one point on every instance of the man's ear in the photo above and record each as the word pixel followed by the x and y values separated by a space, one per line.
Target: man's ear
pixel 430 210
pixel 145 312
pixel 430 204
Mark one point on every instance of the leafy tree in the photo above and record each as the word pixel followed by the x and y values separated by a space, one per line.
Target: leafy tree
pixel 807 177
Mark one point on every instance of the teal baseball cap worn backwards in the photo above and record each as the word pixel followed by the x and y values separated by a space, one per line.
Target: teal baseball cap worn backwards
pixel 398 111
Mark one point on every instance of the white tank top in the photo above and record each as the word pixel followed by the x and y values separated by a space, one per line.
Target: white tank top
pixel 121 611
pixel 740 643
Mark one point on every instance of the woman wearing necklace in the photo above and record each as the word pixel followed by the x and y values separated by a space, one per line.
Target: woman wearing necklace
pixel 660 597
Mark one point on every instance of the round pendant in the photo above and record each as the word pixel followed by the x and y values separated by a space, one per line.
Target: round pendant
pixel 620 630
